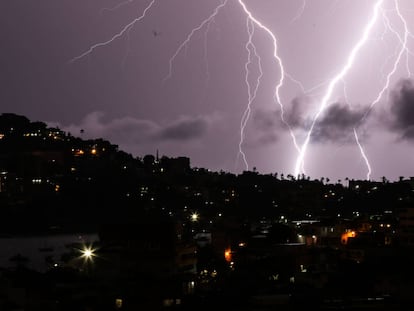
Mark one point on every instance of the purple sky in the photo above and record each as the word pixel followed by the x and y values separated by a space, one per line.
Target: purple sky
pixel 119 91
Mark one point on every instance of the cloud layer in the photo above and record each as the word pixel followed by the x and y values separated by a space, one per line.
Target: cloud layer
pixel 337 124
pixel 402 110
pixel 132 130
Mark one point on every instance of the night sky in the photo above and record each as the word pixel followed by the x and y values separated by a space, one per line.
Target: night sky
pixel 124 91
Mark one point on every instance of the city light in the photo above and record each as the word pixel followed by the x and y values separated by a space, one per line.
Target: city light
pixel 228 255
pixel 88 253
pixel 194 217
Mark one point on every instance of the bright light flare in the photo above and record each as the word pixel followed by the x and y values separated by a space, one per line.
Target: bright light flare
pixel 333 83
pixel 88 253
pixel 194 217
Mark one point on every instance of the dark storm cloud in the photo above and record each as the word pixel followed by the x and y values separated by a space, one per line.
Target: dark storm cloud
pixel 184 129
pixel 294 116
pixel 402 109
pixel 337 124
pixel 266 124
pixel 125 129
pixel 132 130
pixel 265 120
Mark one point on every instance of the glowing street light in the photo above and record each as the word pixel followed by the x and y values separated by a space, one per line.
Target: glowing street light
pixel 88 253
pixel 194 217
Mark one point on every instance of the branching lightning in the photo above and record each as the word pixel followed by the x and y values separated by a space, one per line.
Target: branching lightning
pixel 364 156
pixel 253 24
pixel 251 96
pixel 339 77
pixel 251 93
pixel 191 34
pixel 404 48
pixel 278 59
pixel 116 36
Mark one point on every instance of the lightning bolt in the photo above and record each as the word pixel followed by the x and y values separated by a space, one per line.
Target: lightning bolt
pixel 253 24
pixel 355 134
pixel 281 67
pixel 251 94
pixel 357 141
pixel 403 49
pixel 364 156
pixel 300 12
pixel 124 30
pixel 119 5
pixel 191 34
pixel 332 84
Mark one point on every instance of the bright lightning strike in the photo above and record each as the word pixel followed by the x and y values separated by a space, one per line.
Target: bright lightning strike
pixel 300 11
pixel 251 93
pixel 253 24
pixel 339 77
pixel 282 70
pixel 404 48
pixel 364 156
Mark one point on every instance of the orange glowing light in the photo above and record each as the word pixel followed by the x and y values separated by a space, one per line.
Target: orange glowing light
pixel 345 236
pixel 227 255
